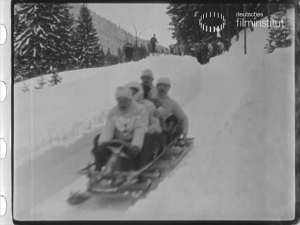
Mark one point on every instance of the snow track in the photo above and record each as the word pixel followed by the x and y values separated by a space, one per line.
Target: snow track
pixel 241 113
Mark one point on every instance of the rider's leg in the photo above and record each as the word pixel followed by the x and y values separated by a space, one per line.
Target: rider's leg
pixel 146 153
pixel 102 154
pixel 153 49
pixel 174 128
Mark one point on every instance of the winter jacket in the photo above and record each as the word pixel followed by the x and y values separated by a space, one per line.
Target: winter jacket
pixel 171 107
pixel 130 125
pixel 154 124
pixel 153 40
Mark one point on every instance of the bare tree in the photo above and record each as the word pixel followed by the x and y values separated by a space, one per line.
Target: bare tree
pixel 138 32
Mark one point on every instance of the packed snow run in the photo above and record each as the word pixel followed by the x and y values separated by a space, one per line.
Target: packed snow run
pixel 241 114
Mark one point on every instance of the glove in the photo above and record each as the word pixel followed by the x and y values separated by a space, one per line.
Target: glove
pixel 185 139
pixel 160 111
pixel 133 152
pixel 102 146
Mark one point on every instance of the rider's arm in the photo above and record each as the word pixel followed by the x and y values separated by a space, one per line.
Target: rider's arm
pixel 108 130
pixel 154 125
pixel 179 113
pixel 141 127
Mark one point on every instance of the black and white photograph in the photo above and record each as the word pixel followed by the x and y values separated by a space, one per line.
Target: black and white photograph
pixel 154 111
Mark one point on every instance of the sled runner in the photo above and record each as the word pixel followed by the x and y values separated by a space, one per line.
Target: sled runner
pixel 134 183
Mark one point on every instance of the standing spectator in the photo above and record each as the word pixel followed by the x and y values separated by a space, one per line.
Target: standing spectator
pixel 129 52
pixel 210 50
pixel 153 42
pixel 182 49
pixel 171 49
pixel 227 44
pixel 204 53
pixel 220 47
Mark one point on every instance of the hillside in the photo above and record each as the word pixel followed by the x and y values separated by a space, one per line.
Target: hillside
pixel 110 35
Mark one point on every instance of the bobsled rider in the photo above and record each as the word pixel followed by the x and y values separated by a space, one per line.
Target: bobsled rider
pixel 154 140
pixel 127 121
pixel 147 81
pixel 173 115
pixel 138 96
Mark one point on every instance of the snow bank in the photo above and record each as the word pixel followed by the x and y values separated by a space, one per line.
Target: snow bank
pixel 61 114
pixel 242 164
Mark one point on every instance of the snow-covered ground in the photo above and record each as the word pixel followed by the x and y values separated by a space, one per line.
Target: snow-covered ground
pixel 59 115
pixel 241 113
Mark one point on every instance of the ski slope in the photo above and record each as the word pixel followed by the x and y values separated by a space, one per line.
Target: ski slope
pixel 241 113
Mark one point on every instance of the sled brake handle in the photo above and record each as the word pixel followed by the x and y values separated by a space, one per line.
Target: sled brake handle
pixel 89 166
pixel 118 141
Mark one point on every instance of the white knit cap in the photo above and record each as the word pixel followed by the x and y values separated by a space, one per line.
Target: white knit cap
pixel 164 80
pixel 139 95
pixel 147 73
pixel 124 92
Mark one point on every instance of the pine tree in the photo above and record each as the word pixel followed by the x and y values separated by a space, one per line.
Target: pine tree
pixel 102 57
pixel 25 87
pixel 108 58
pixel 115 60
pixel 98 59
pixel 280 35
pixel 45 37
pixel 88 50
pixel 67 59
pixel 185 21
pixel 73 63
pixel 120 55
pixel 55 78
pixel 41 82
pixel 185 24
pixel 20 72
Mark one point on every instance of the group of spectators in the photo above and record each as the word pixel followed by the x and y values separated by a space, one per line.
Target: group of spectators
pixel 202 51
pixel 142 51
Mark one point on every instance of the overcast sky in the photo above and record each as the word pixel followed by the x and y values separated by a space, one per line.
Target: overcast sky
pixel 151 16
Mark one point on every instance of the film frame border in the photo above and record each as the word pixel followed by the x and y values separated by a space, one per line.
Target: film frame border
pixel 6 116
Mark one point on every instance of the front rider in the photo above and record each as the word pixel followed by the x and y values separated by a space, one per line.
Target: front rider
pixel 172 110
pixel 153 140
pixel 127 121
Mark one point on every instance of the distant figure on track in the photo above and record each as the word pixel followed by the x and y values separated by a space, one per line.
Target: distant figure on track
pixel 129 52
pixel 153 42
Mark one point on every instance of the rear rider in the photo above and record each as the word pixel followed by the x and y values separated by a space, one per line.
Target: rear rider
pixel 172 110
